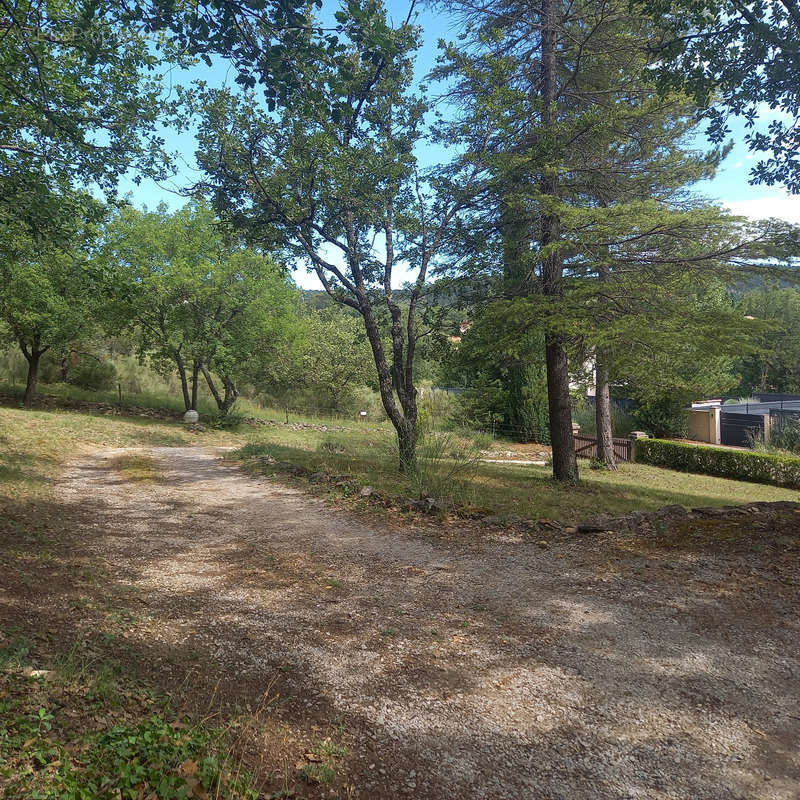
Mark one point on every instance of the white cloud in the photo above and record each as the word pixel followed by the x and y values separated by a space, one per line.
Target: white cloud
pixel 783 206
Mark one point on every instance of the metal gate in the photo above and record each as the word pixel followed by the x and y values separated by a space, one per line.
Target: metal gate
pixel 739 430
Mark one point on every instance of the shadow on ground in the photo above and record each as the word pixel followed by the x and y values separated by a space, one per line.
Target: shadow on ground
pixel 607 667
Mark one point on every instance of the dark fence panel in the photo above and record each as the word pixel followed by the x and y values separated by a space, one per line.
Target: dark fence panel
pixel 586 447
pixel 779 418
pixel 738 430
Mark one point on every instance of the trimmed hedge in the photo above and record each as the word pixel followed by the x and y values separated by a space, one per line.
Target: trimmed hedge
pixel 740 465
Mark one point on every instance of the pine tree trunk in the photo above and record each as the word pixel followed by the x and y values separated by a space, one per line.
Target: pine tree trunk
pixel 187 400
pixel 565 465
pixel 602 411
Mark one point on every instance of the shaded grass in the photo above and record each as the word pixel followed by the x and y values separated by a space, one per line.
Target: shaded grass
pixel 369 458
pixel 77 728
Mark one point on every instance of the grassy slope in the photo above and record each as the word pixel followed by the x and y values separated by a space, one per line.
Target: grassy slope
pixel 34 444
pixel 368 456
pixel 173 402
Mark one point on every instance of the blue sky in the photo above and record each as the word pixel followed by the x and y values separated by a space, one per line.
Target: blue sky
pixel 729 187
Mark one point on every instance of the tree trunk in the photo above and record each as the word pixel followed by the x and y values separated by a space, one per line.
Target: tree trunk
pixel 565 465
pixel 602 411
pixel 407 445
pixel 195 377
pixel 187 401
pixel 224 403
pixel 231 394
pixel 212 387
pixel 32 356
pixel 405 422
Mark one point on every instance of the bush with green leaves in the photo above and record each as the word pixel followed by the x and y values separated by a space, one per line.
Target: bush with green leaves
pixel 664 415
pixel 742 465
pixel 622 423
pixel 94 375
pixel 154 757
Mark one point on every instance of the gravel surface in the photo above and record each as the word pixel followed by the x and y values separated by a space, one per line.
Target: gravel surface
pixel 474 667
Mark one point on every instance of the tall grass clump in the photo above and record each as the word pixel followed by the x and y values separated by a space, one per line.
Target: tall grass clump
pixel 445 468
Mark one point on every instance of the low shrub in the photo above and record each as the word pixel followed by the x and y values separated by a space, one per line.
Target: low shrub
pixel 583 412
pixel 225 422
pixel 94 375
pixel 444 468
pixel 742 465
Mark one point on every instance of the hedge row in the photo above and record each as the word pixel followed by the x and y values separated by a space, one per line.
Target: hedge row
pixel 741 465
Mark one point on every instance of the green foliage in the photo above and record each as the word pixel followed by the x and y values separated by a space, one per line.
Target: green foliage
pixel 774 363
pixel 622 423
pixel 500 361
pixel 80 102
pixel 336 359
pixel 94 374
pixel 683 349
pixel 48 284
pixel 784 437
pixel 739 465
pixel 172 761
pixel 662 415
pixel 437 410
pixel 737 58
pixel 189 293
pixel 228 421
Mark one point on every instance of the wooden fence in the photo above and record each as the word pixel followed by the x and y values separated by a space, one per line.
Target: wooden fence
pixel 586 447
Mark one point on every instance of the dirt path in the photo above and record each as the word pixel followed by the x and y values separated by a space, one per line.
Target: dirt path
pixel 485 669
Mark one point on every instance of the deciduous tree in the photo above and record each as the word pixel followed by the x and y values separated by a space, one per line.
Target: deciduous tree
pixel 334 181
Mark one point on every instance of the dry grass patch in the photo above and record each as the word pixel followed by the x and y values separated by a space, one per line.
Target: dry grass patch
pixel 137 467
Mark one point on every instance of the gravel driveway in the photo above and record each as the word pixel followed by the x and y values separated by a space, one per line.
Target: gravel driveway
pixel 474 667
